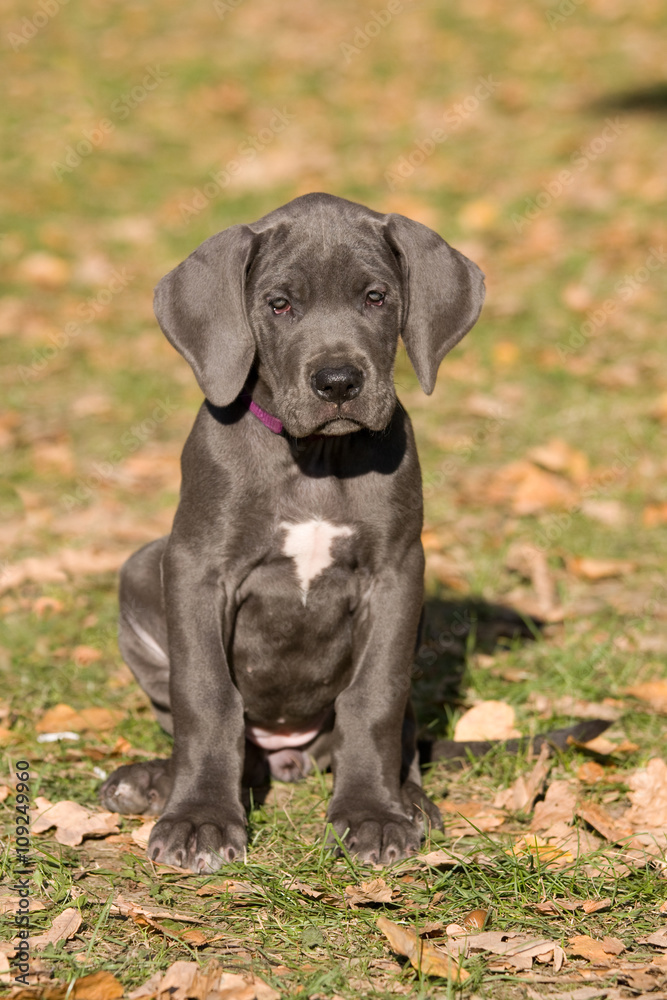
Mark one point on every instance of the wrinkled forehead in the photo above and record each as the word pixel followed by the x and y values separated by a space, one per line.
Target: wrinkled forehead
pixel 321 252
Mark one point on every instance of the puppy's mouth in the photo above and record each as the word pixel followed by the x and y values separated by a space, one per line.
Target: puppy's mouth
pixel 339 426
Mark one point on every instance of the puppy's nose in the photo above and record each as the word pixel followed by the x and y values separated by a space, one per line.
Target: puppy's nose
pixel 337 385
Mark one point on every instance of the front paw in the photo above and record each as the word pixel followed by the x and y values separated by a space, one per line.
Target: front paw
pixel 376 836
pixel 193 840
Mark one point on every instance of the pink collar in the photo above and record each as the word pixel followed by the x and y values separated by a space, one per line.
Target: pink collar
pixel 267 419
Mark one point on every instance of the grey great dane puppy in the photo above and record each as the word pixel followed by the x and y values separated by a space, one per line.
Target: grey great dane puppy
pixel 276 625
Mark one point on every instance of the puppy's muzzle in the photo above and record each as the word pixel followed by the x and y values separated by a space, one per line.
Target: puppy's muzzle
pixel 337 385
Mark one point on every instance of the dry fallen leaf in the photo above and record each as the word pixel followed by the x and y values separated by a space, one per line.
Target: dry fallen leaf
pixel 467 815
pixel 653 692
pixel 558 456
pixel 556 906
pixel 424 956
pixel 599 569
pixel 531 563
pixel 654 515
pixel 73 822
pixel 186 981
pixel 558 806
pixel 595 815
pixel 475 920
pixel 44 269
pixel 54 569
pixel 590 772
pixel 525 789
pixel 65 926
pixel 490 720
pixel 516 950
pixel 529 490
pixel 375 891
pixel 64 718
pixel 84 655
pixel 146 913
pixel 599 952
pixel 142 833
pixel 229 887
pixel 648 795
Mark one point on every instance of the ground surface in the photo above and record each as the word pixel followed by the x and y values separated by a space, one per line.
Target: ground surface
pixel 532 137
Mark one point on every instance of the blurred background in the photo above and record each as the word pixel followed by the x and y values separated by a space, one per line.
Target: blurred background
pixel 530 135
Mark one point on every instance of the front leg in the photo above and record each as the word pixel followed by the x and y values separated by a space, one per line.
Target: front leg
pixel 203 824
pixel 374 805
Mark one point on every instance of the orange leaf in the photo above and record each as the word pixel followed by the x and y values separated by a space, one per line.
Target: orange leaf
pixel 490 720
pixel 423 955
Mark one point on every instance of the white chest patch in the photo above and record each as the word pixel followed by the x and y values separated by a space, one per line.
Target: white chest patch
pixel 309 545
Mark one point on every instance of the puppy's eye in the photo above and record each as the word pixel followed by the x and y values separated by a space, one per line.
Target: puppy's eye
pixel 375 298
pixel 280 306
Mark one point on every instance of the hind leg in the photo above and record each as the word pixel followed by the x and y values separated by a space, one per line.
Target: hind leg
pixel 142 638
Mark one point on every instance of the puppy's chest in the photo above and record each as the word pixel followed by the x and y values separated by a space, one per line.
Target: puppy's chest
pixel 299 556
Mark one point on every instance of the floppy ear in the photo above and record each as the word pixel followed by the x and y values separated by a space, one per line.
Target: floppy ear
pixel 200 306
pixel 444 292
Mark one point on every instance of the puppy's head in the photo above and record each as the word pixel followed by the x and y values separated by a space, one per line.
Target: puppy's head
pixel 312 298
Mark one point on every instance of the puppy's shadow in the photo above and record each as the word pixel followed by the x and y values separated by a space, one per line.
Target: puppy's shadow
pixel 452 629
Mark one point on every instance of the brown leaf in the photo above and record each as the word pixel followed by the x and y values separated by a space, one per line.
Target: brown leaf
pixel 648 795
pixel 599 952
pixel 229 887
pixel 653 692
pixel 590 772
pixel 96 986
pixel 54 569
pixel 558 806
pixel 528 489
pixel 518 952
pixel 84 655
pixel 572 905
pixel 73 822
pixel 423 955
pixel 148 912
pixel 467 815
pixel 524 790
pixel 141 835
pixel 490 720
pixel 597 816
pixel 599 569
pixel 375 891
pixel 186 981
pixel 475 920
pixel 65 926
pixel 65 718
pixel 654 515
pixel 44 269
pixel 558 456
pixel 531 563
